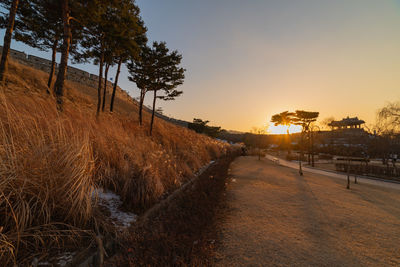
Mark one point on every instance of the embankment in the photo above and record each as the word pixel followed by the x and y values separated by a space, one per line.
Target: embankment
pixel 181 231
pixel 51 164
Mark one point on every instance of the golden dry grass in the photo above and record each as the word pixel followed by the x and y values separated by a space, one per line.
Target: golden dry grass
pixel 51 162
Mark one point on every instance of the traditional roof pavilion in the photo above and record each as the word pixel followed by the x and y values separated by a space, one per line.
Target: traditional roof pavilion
pixel 347 123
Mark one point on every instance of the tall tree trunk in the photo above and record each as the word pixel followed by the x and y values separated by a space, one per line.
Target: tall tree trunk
pixel 53 62
pixel 301 153
pixel 309 149
pixel 348 174
pixel 141 101
pixel 105 87
pixel 115 84
pixel 289 143
pixel 100 77
pixel 62 69
pixel 152 114
pixel 312 150
pixel 7 40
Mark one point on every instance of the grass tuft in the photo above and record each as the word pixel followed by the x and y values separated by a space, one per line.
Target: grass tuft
pixel 51 162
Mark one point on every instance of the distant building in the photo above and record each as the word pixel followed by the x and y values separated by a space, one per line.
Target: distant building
pixel 346 133
pixel 347 123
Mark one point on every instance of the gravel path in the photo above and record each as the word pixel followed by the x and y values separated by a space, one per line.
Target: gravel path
pixel 276 217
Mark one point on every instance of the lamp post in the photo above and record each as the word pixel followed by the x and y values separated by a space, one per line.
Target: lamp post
pixel 312 142
pixel 300 153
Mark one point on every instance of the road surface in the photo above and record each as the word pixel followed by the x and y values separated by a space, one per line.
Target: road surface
pixel 276 217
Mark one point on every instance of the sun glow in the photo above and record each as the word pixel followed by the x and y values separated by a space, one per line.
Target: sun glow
pixel 280 129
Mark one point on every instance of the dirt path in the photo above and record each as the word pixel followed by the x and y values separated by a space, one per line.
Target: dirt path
pixel 276 217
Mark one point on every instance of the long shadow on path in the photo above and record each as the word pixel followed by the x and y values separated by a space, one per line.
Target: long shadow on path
pixel 276 217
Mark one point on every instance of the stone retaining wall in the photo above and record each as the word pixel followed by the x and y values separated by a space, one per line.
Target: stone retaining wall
pixel 73 74
pixel 78 75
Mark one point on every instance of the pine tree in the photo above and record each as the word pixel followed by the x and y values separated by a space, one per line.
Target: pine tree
pixel 7 39
pixel 128 43
pixel 286 119
pixel 168 75
pixel 40 25
pixel 304 119
pixel 108 60
pixel 142 73
pixel 107 22
pixel 92 44
pixel 62 70
pixel 157 70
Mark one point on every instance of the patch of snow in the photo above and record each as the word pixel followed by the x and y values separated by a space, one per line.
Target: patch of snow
pixel 113 202
pixel 65 258
pixel 61 259
pixel 45 263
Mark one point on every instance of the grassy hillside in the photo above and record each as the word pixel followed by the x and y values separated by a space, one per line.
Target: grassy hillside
pixel 51 163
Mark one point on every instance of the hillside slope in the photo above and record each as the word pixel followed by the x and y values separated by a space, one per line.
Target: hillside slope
pixel 53 164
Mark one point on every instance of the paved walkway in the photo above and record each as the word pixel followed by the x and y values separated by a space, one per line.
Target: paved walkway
pixel 361 179
pixel 276 217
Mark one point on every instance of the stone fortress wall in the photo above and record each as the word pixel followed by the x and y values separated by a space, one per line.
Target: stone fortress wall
pixel 73 74
pixel 80 76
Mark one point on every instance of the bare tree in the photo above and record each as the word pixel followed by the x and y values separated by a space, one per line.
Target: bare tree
pixel 389 117
pixel 324 124
pixel 259 132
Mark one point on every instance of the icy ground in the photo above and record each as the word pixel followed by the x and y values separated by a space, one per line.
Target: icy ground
pixel 112 202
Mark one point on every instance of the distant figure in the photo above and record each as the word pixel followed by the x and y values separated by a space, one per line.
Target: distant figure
pixel 244 151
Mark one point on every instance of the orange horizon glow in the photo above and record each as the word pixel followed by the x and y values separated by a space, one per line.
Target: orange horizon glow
pixel 340 58
pixel 281 129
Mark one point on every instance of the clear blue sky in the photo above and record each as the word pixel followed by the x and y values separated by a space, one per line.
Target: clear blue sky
pixel 247 60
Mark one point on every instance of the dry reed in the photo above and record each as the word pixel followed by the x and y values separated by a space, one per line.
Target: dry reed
pixel 50 163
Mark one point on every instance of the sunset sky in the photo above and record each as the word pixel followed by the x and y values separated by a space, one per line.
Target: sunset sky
pixel 247 60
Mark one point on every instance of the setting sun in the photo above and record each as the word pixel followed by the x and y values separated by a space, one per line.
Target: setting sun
pixel 280 129
pixel 266 134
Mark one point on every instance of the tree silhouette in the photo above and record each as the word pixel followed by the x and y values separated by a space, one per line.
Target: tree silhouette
pixel 200 126
pixel 109 61
pixel 96 44
pixel 142 72
pixel 112 28
pixel 168 75
pixel 258 132
pixel 285 118
pixel 7 39
pixel 62 70
pixel 304 119
pixel 389 118
pixel 39 25
pixel 156 69
pixel 129 40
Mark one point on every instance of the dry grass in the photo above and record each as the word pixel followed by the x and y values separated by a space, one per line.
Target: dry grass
pixel 51 162
pixel 184 233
